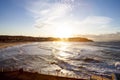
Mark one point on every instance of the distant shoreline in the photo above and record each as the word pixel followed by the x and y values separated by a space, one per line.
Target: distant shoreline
pixel 7 38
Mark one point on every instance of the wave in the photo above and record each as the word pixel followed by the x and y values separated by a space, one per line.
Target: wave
pixel 83 59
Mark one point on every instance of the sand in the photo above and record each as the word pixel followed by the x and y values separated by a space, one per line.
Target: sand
pixel 10 44
pixel 22 75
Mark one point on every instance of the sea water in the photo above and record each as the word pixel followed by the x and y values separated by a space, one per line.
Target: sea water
pixel 69 59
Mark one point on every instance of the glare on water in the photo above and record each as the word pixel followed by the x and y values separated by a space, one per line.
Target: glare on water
pixel 64 57
pixel 61 50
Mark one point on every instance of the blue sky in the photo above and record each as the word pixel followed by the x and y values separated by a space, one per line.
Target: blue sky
pixel 59 17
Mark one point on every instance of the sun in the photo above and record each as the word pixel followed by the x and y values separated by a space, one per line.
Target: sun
pixel 63 32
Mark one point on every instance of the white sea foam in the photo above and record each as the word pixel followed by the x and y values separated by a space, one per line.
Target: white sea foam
pixel 83 59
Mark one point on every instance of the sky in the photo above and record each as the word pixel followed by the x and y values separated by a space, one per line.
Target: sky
pixel 59 17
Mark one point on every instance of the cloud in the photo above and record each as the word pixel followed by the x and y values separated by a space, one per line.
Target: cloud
pixel 97 20
pixel 56 13
pixel 46 12
pixel 104 37
pixel 91 24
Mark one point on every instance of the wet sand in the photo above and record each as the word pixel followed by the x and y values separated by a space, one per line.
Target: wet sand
pixel 22 75
pixel 10 44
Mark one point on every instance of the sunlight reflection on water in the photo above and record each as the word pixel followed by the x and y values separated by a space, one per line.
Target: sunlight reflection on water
pixel 61 51
pixel 63 58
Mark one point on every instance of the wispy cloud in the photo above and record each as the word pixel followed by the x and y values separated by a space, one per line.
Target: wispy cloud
pixel 97 20
pixel 53 13
pixel 104 37
pixel 94 24
pixel 48 13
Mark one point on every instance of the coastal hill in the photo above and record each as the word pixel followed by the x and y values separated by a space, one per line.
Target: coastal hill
pixel 7 38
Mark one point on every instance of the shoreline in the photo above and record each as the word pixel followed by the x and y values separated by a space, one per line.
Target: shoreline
pixel 10 44
pixel 24 75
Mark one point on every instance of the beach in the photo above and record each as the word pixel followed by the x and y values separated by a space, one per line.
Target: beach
pixel 22 75
pixel 10 44
pixel 44 59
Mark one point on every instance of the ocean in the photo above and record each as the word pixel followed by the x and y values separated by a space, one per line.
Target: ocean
pixel 69 59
